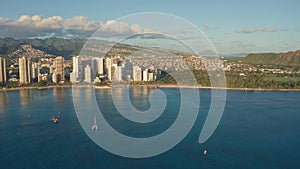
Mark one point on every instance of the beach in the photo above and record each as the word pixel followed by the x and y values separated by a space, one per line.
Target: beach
pixel 216 88
pixel 154 86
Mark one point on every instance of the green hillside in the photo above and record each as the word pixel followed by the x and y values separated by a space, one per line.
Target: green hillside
pixel 55 46
pixel 66 47
pixel 287 59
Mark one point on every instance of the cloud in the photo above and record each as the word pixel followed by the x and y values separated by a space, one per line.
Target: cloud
pixel 56 26
pixel 256 30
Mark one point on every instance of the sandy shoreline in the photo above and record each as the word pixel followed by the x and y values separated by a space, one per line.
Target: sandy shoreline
pixel 48 87
pixel 223 88
pixel 154 86
pixel 33 87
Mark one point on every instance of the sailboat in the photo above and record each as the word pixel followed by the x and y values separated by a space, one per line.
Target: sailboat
pixel 95 126
pixel 204 152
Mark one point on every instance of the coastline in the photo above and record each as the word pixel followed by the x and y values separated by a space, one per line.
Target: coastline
pixel 218 88
pixel 33 87
pixel 225 88
pixel 154 86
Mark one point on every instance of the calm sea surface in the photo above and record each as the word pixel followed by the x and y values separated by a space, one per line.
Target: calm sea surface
pixel 258 130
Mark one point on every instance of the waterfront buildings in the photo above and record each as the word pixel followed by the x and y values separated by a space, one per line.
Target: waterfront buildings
pixel 108 68
pixel 84 69
pixel 43 77
pixel 118 73
pixel 87 74
pixel 145 75
pixel 24 70
pixel 75 74
pixel 137 73
pixel 58 74
pixel 100 66
pixel 150 76
pixel 35 70
pixel 54 78
pixel 2 71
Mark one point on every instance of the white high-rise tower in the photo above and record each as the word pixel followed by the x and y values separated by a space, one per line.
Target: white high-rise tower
pixel 87 74
pixel 2 71
pixel 108 65
pixel 24 70
pixel 75 74
pixel 137 73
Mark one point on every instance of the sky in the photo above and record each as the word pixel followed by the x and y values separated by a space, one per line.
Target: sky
pixel 232 26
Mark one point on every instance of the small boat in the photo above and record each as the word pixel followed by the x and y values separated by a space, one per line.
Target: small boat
pixel 54 119
pixel 95 126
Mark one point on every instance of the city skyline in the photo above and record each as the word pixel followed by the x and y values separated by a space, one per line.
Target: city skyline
pixel 233 27
pixel 115 69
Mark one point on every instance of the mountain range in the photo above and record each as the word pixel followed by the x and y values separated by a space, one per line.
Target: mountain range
pixel 53 46
pixel 69 47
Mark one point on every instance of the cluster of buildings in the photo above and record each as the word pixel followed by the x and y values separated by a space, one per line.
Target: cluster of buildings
pixel 242 68
pixel 29 71
pixel 84 69
pixel 93 69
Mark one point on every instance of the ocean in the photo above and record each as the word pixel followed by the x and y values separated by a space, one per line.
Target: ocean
pixel 258 130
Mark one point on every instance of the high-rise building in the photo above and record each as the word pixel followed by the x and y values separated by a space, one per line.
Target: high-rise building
pixel 100 66
pixel 59 68
pixel 137 73
pixel 145 75
pixel 118 75
pixel 108 66
pixel 34 69
pixel 157 74
pixel 127 74
pixel 150 76
pixel 2 71
pixel 72 77
pixel 87 74
pixel 94 67
pixel 75 74
pixel 24 70
pixel 54 78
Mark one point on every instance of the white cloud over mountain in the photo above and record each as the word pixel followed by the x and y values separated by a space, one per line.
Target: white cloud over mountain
pixel 56 26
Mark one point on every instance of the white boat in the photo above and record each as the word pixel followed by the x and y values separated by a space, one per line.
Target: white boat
pixel 95 126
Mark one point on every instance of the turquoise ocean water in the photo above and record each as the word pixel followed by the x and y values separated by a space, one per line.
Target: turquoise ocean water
pixel 258 130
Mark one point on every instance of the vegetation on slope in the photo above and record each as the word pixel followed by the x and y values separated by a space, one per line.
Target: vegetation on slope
pixel 287 59
pixel 55 46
